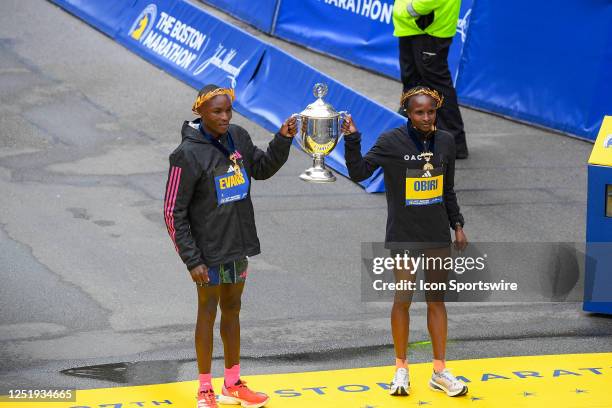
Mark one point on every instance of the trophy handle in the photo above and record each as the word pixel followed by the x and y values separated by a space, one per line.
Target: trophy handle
pixel 298 123
pixel 342 118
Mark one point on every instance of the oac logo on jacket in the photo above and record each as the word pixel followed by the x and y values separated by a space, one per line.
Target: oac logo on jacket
pixel 144 22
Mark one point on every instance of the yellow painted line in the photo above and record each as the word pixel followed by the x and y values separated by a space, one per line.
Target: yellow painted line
pixel 559 381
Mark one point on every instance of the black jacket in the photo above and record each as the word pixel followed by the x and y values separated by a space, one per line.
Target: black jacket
pixel 395 152
pixel 204 232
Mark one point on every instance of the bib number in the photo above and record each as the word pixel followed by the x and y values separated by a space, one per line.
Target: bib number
pixel 232 186
pixel 424 187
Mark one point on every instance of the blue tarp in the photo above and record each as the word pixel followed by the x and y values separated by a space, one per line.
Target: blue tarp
pixel 544 64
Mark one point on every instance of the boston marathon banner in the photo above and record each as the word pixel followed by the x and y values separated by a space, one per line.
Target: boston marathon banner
pixel 358 31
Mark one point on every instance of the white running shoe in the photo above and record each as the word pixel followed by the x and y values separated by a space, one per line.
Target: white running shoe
pixel 400 385
pixel 444 381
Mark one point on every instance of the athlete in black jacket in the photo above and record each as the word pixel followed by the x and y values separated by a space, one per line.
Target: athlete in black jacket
pixel 419 170
pixel 209 216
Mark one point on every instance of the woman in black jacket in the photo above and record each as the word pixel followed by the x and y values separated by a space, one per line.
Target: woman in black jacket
pixel 419 169
pixel 209 216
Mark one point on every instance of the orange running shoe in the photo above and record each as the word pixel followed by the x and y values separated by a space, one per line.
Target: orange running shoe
pixel 207 399
pixel 240 394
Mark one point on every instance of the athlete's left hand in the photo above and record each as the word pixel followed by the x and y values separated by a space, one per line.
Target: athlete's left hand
pixel 460 239
pixel 289 128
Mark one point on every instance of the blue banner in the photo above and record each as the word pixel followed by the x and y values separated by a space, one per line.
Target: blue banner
pixel 358 31
pixel 545 66
pixel 259 13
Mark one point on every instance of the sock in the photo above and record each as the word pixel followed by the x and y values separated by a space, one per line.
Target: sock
pixel 205 382
pixel 232 375
pixel 399 363
pixel 439 365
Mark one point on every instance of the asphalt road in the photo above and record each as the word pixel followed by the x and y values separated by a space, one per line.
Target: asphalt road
pixel 90 277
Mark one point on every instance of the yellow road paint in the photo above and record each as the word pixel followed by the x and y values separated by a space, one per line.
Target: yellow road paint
pixel 559 381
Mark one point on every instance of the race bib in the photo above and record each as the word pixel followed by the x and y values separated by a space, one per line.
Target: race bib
pixel 232 185
pixel 424 187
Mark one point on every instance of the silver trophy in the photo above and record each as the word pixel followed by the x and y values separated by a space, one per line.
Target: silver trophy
pixel 319 129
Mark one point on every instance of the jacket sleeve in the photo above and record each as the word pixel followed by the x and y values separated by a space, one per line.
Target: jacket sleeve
pixel 359 167
pixel 265 164
pixel 450 197
pixel 182 179
pixel 409 9
pixel 423 7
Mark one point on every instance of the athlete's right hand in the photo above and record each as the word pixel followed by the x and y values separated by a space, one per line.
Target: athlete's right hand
pixel 199 274
pixel 348 126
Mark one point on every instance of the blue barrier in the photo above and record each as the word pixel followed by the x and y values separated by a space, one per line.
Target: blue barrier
pixel 260 13
pixel 198 48
pixel 360 34
pixel 544 67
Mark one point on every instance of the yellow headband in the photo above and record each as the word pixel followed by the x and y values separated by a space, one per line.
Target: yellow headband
pixel 423 91
pixel 204 97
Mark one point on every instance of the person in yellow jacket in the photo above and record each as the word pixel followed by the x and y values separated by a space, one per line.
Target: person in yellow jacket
pixel 425 29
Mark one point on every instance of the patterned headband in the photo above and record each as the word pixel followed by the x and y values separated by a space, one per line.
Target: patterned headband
pixel 209 95
pixel 423 91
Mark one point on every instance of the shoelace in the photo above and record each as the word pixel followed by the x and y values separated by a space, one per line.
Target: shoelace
pixel 241 384
pixel 209 399
pixel 401 375
pixel 446 374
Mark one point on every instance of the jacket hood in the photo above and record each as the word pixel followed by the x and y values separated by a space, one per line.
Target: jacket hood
pixel 191 131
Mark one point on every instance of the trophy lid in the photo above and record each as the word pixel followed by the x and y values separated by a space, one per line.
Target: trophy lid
pixel 319 108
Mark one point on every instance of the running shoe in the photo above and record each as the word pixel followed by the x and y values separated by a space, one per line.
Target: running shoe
pixel 400 385
pixel 240 394
pixel 444 381
pixel 207 399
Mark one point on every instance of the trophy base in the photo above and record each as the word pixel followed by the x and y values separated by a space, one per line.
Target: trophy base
pixel 318 175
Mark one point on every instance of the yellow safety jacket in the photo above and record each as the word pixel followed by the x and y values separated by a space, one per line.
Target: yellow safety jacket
pixel 406 12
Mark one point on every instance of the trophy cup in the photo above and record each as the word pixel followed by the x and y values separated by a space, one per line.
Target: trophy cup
pixel 319 129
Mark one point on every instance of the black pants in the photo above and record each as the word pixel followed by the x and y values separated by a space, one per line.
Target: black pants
pixel 423 61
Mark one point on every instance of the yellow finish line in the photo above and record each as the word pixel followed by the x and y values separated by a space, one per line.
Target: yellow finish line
pixel 559 381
